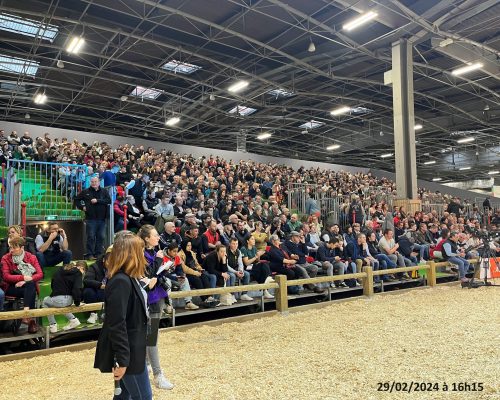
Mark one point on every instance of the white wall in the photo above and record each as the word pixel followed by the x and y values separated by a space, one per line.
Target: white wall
pixel 115 141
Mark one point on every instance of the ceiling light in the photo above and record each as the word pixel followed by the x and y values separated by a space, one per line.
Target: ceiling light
pixel 264 136
pixel 27 116
pixel 363 18
pixel 333 147
pixel 466 139
pixel 493 172
pixel 172 121
pixel 418 127
pixel 387 155
pixel 464 168
pixel 341 110
pixel 437 179
pixel 212 97
pixel 430 162
pixel 60 64
pixel 124 98
pixel 75 45
pixel 467 68
pixel 40 98
pixel 236 87
pixel 312 47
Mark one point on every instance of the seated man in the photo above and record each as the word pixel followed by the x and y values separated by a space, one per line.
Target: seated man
pixel 297 249
pixel 215 263
pixel 52 246
pixel 330 260
pixel 169 236
pixel 389 247
pixel 211 237
pixel 456 256
pixel 236 268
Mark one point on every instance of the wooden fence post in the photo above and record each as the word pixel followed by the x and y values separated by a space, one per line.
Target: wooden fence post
pixel 431 274
pixel 368 281
pixel 281 294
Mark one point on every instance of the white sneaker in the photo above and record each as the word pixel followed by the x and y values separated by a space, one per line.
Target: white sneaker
pixel 246 297
pixel 358 284
pixel 163 383
pixel 191 306
pixel 269 279
pixel 53 328
pixel 72 324
pixel 93 318
pixel 234 299
pixel 268 295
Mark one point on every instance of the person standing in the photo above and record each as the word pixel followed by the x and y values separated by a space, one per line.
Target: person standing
pixel 121 347
pixel 95 202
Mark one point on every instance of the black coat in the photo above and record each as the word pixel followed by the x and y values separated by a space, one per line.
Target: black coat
pixel 95 275
pixel 123 333
pixel 213 265
pixel 67 283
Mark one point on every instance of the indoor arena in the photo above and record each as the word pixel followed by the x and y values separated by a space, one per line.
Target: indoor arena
pixel 249 199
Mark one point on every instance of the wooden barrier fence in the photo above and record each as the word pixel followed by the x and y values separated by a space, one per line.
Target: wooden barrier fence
pixel 280 285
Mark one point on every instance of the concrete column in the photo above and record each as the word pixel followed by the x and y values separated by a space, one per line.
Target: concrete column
pixel 404 119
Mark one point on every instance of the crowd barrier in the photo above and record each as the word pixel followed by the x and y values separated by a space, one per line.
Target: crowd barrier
pixel 280 285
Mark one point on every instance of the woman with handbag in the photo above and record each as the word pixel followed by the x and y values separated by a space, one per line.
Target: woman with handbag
pixel 121 347
pixel 196 275
pixel 157 291
pixel 21 273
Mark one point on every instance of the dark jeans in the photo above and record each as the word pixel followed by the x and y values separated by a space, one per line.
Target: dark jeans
pixel 27 292
pixel 91 295
pixel 199 282
pixel 260 271
pixel 49 260
pixel 135 387
pixel 95 237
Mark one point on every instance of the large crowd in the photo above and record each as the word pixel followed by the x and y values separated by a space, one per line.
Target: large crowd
pixel 207 222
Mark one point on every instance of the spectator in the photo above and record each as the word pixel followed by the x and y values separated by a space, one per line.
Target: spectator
pixel 297 249
pixel 95 202
pixel 52 246
pixel 66 288
pixel 94 283
pixel 21 273
pixel 169 236
pixel 330 260
pixel 261 237
pixel 253 262
pixel 211 237
pixel 137 188
pixel 389 247
pixel 456 256
pixel 242 234
pixel 198 278
pixel 294 224
pixel 12 232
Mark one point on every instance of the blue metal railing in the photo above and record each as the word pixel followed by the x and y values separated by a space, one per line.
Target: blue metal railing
pixel 49 189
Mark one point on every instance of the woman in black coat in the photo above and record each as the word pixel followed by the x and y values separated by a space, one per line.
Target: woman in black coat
pixel 121 347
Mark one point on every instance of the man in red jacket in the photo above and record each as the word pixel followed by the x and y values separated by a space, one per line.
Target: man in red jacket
pixel 21 273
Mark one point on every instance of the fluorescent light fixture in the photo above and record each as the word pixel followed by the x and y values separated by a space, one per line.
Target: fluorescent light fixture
pixel 418 127
pixel 467 68
pixel 40 98
pixel 466 139
pixel 27 27
pixel 181 67
pixel 18 66
pixel 280 93
pixel 493 172
pixel 172 121
pixel 75 44
pixel 387 155
pixel 238 86
pixel 464 168
pixel 145 93
pixel 437 179
pixel 362 19
pixel 341 110
pixel 264 136
pixel 242 110
pixel 333 147
pixel 361 110
pixel 430 162
pixel 311 124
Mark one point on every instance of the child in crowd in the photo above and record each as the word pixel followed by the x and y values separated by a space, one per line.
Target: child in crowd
pixel 67 284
